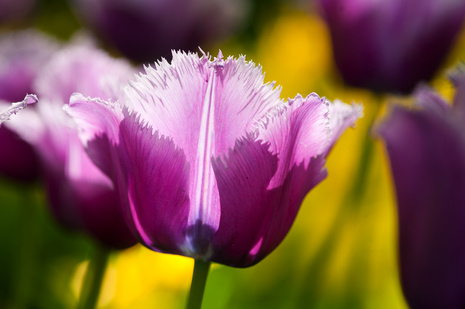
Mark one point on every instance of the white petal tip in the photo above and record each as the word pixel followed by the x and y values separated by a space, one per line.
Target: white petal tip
pixel 16 107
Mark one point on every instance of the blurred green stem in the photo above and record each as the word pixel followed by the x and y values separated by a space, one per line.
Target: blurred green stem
pixel 30 238
pixel 199 279
pixel 366 158
pixel 93 279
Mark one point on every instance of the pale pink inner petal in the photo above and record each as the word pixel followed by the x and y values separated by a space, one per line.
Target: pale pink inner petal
pixel 297 133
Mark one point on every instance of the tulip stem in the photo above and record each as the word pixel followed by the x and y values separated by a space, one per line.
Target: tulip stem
pixel 366 158
pixel 93 279
pixel 199 279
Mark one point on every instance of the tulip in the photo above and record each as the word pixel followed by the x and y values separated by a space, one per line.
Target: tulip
pixel 81 196
pixel 22 56
pixel 209 162
pixel 426 148
pixel 391 45
pixel 148 30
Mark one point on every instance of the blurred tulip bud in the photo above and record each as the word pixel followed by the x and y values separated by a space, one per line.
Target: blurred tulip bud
pixel 391 45
pixel 426 147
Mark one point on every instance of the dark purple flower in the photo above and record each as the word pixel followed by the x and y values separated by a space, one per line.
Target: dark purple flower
pixel 209 162
pixel 22 55
pixel 147 30
pixel 81 196
pixel 391 45
pixel 426 147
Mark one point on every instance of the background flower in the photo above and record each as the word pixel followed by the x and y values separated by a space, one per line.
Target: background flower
pixel 22 56
pixel 426 147
pixel 81 197
pixel 390 46
pixel 147 30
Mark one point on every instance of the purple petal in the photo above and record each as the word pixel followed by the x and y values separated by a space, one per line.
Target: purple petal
pixel 255 219
pixel 23 55
pixel 98 121
pixel 18 159
pixel 147 30
pixel 381 44
pixel 300 131
pixel 262 183
pixel 155 179
pixel 81 67
pixel 427 150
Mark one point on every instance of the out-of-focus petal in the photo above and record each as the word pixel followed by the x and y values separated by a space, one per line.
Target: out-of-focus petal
pixel 380 45
pixel 22 56
pixel 82 68
pixel 149 30
pixel 98 122
pixel 426 147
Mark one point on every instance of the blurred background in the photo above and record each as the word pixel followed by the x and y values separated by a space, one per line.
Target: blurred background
pixel 341 251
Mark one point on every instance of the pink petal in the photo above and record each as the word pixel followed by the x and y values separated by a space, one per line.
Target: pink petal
pixel 255 218
pixel 98 121
pixel 154 183
pixel 299 131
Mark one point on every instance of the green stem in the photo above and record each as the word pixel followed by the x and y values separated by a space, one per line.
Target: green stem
pixel 199 279
pixel 93 279
pixel 360 183
pixel 30 241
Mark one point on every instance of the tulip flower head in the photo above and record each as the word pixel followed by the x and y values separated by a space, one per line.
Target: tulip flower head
pixel 22 56
pixel 81 196
pixel 426 148
pixel 209 162
pixel 391 45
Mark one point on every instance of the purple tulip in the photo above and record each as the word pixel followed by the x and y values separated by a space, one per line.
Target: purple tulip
pixel 81 196
pixel 147 30
pixel 22 56
pixel 391 45
pixel 426 147
pixel 209 162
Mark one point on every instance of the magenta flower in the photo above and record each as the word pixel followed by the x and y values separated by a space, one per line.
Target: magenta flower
pixel 209 162
pixel 426 147
pixel 391 45
pixel 22 56
pixel 81 196
pixel 147 30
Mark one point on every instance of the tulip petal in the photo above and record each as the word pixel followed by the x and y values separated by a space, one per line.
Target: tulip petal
pixel 300 131
pixel 426 149
pixel 156 176
pixel 255 218
pixel 98 123
pixel 240 99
